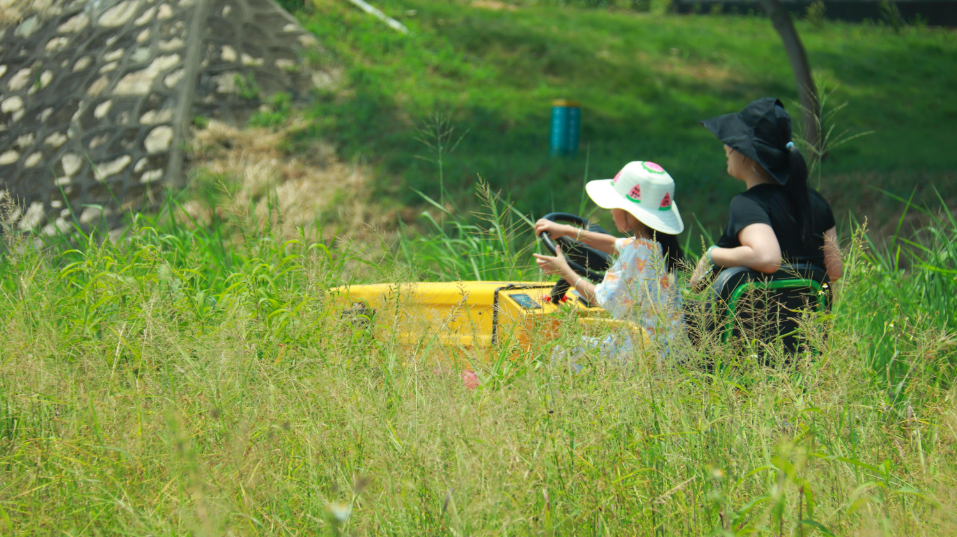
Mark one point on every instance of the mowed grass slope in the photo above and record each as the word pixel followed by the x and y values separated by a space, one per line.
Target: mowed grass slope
pixel 644 82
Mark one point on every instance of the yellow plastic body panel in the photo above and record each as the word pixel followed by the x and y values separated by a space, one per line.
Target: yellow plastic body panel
pixel 470 315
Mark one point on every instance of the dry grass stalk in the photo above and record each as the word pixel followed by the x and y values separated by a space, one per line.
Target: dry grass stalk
pixel 271 187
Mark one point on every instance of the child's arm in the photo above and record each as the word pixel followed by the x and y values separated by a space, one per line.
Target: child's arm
pixel 558 265
pixel 582 285
pixel 759 250
pixel 599 241
pixel 832 255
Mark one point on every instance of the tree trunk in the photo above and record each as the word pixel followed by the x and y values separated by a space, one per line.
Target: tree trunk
pixel 802 71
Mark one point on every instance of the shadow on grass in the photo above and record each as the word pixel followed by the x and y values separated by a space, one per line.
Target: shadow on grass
pixel 644 82
pixel 514 156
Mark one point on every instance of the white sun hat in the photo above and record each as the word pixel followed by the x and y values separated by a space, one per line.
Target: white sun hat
pixel 645 190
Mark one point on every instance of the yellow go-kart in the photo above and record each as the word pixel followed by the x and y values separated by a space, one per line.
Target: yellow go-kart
pixel 475 319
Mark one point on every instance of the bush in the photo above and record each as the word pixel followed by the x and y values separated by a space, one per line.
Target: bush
pixel 891 15
pixel 275 113
pixel 816 13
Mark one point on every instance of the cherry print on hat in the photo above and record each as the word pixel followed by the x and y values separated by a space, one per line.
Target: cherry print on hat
pixel 635 194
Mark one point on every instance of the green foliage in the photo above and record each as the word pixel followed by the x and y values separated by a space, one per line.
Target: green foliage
pixel 200 121
pixel 201 271
pixel 816 13
pixel 903 307
pixel 292 6
pixel 453 248
pixel 246 87
pixel 211 188
pixel 891 15
pixel 180 379
pixel 662 6
pixel 644 82
pixel 280 107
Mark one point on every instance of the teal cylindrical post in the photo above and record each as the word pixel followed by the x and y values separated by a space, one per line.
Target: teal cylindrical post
pixel 556 145
pixel 565 129
pixel 574 128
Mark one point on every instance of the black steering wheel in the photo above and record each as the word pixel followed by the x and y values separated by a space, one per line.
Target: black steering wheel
pixel 586 261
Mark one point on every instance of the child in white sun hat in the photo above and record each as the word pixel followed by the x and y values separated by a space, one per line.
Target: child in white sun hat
pixel 641 284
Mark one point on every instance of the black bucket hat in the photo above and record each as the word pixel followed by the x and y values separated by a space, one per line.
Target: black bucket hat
pixel 761 132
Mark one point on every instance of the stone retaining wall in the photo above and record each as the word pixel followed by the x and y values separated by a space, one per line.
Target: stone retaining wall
pixel 96 96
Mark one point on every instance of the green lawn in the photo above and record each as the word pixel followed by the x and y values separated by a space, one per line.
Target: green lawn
pixel 644 82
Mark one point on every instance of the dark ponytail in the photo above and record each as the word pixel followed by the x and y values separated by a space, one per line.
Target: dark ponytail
pixel 797 191
pixel 672 250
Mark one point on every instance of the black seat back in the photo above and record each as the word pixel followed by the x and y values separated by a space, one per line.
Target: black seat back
pixel 748 305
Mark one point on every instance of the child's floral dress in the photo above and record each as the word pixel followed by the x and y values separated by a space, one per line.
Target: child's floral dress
pixel 638 288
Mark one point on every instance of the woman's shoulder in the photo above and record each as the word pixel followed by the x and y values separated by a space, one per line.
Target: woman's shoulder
pixel 758 195
pixel 763 191
pixel 753 201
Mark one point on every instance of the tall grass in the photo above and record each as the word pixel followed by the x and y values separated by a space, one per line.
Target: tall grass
pixel 455 247
pixel 183 381
pixel 902 301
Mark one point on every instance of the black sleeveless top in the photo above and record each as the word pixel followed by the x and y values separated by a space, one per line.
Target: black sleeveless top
pixel 769 204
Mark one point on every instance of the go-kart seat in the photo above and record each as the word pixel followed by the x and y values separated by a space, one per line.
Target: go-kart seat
pixel 752 306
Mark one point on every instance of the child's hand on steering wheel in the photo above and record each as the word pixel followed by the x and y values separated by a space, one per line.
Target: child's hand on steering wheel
pixel 553 265
pixel 554 229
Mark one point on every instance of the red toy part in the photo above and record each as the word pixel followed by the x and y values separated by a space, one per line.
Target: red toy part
pixel 470 379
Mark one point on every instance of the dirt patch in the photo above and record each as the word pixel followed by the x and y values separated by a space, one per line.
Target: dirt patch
pixel 858 194
pixel 676 66
pixel 256 183
pixel 494 5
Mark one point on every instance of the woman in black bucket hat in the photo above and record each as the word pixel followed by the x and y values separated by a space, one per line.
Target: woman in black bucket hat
pixel 778 217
